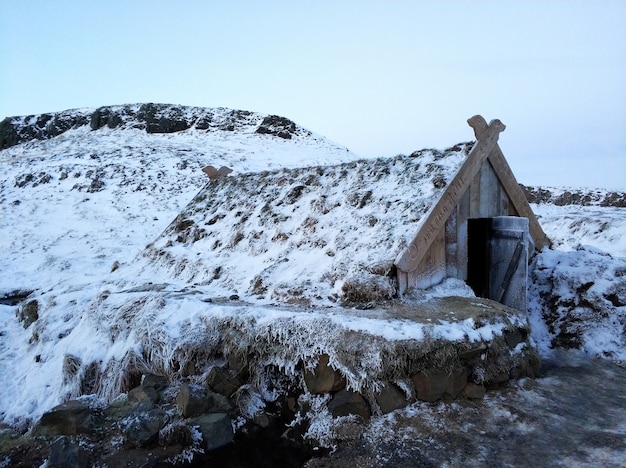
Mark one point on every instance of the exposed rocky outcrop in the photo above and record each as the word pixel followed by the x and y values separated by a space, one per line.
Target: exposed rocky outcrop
pixel 153 118
pixel 15 130
pixel 276 125
pixel 583 197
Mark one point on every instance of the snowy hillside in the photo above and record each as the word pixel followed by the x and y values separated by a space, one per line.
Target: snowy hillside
pixel 109 220
pixel 76 201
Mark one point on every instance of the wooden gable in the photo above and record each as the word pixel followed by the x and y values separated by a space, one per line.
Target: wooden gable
pixel 484 187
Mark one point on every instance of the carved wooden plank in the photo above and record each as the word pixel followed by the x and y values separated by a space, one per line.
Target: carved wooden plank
pixel 513 190
pixel 451 246
pixel 432 268
pixel 410 258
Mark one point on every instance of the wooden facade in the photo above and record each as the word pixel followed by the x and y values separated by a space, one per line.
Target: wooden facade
pixel 484 187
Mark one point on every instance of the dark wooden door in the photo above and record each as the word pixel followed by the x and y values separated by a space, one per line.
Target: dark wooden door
pixel 508 253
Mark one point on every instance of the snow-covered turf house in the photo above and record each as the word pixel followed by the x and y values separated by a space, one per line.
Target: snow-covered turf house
pixel 361 232
pixel 367 270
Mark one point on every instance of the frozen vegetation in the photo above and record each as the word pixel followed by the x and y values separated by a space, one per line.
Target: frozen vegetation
pixel 127 260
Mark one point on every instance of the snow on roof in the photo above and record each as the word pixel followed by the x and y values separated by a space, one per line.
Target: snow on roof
pixel 301 235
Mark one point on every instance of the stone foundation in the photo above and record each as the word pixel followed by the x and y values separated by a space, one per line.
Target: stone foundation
pixel 215 401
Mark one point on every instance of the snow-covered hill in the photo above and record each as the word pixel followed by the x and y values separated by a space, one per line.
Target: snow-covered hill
pixel 85 188
pixel 84 192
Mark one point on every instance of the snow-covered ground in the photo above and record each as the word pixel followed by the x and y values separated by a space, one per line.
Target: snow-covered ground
pixel 79 209
pixel 569 226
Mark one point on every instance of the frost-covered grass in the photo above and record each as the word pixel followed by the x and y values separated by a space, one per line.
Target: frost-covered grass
pixel 98 345
pixel 315 235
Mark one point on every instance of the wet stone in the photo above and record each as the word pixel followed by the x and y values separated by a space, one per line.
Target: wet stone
pixel 439 384
pixel 192 399
pixel 345 403
pixel 474 391
pixel 67 454
pixel 324 379
pixel 158 382
pixel 216 429
pixel 391 398
pixel 142 427
pixel 70 418
pixel 223 381
pixel 143 395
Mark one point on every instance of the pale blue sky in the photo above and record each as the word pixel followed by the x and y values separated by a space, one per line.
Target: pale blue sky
pixel 380 77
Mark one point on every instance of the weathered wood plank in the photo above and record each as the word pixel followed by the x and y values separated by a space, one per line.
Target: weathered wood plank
pixel 461 236
pixel 432 268
pixel 474 197
pixel 503 205
pixel 488 191
pixel 513 190
pixel 410 258
pixel 451 245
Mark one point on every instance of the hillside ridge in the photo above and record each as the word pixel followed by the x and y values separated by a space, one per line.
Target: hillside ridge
pixel 153 118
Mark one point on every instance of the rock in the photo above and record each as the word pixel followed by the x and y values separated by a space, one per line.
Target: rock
pixel 15 130
pixel 474 391
pixel 204 122
pixel 430 387
pixel 239 364
pixel 9 135
pixel 28 313
pixel 345 402
pixel 142 427
pixel 391 398
pixel 349 431
pixel 437 384
pixel 67 454
pixel 216 429
pixel 158 382
pixel 218 403
pixel 325 379
pixel 192 399
pixel 162 118
pixel 70 418
pixel 278 126
pixel 143 394
pixel 15 296
pixel 177 433
pixel 223 381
